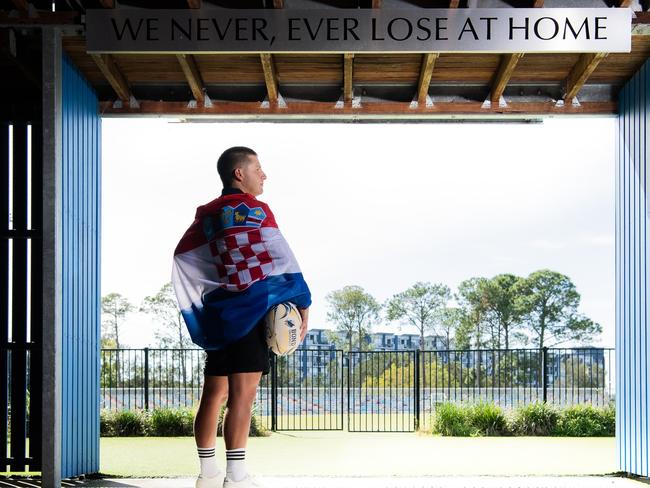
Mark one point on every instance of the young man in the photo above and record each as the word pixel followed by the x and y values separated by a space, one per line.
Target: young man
pixel 229 267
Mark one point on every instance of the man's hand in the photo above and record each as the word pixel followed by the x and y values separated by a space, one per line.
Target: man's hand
pixel 304 313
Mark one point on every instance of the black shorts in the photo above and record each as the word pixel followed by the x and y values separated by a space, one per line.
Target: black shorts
pixel 247 355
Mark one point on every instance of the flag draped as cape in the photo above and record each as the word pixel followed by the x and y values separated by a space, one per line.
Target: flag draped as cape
pixel 230 267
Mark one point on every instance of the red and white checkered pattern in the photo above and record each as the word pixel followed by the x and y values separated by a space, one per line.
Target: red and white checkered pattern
pixel 241 259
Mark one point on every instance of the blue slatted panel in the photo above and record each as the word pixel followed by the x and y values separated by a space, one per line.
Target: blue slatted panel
pixel 632 339
pixel 81 184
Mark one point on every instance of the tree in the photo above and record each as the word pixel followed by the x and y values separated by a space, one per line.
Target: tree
pixel 473 301
pixel 502 307
pixel 171 331
pixel 451 321
pixel 419 306
pixel 115 307
pixel 353 311
pixel 549 303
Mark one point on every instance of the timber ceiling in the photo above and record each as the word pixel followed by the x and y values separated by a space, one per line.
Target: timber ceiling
pixel 346 86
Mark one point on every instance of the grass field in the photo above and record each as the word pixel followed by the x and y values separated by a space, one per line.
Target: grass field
pixel 369 454
pixel 355 422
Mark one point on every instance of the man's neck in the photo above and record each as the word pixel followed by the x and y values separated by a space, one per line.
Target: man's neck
pixel 237 184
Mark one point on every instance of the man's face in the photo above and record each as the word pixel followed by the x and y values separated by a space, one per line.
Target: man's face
pixel 251 176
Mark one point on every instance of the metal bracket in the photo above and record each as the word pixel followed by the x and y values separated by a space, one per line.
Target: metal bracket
pixel 267 104
pixel 356 102
pixel 133 103
pixel 488 103
pixel 428 103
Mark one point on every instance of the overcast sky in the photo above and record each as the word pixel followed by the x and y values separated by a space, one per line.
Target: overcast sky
pixel 376 205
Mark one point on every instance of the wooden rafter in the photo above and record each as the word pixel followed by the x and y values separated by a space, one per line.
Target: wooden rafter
pixel 388 109
pixel 453 3
pixel 538 3
pixel 503 75
pixel 426 70
pixel 348 90
pixel 580 72
pixel 194 3
pixel 270 77
pixel 192 75
pixel 21 5
pixel 376 3
pixel 107 3
pixel 278 3
pixel 113 75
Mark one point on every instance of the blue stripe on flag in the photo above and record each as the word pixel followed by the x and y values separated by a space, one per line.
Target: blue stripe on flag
pixel 226 316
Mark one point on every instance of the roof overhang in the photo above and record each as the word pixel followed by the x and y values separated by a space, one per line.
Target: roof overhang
pixel 344 86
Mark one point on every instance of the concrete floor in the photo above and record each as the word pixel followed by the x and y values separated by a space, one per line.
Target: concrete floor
pixel 364 482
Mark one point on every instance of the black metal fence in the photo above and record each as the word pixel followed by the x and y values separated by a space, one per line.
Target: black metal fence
pixel 368 391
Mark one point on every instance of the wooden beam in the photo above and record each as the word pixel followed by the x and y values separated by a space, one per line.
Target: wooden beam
pixel 194 3
pixel 44 18
pixel 580 72
pixel 348 89
pixel 376 3
pixel 21 5
pixel 386 109
pixel 270 77
pixel 502 77
pixel 278 3
pixel 426 70
pixel 113 75
pixel 107 3
pixel 453 3
pixel 538 3
pixel 192 75
pixel 624 3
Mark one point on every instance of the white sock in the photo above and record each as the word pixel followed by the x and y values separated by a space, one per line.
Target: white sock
pixel 236 464
pixel 209 467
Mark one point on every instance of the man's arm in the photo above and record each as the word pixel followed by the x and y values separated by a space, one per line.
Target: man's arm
pixel 304 313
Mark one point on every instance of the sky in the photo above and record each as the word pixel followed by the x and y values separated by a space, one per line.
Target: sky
pixel 381 206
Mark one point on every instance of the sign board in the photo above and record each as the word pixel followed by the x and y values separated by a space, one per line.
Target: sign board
pixel 499 30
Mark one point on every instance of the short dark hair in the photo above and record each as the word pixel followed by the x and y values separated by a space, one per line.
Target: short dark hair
pixel 230 159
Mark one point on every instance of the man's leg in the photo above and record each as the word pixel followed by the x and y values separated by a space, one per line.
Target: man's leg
pixel 213 396
pixel 236 424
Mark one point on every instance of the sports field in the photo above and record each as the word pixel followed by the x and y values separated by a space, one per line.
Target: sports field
pixel 370 454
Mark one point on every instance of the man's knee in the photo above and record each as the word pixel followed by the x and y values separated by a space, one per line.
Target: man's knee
pixel 215 392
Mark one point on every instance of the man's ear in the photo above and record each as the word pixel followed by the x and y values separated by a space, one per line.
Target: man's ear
pixel 237 174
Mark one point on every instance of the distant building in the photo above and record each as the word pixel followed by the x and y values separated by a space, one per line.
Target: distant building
pixel 378 341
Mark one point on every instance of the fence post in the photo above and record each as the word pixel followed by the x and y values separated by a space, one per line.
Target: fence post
pixel 544 375
pixel 416 387
pixel 274 393
pixel 146 378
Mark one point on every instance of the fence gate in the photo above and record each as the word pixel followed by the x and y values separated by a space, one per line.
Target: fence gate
pixel 304 391
pixel 383 391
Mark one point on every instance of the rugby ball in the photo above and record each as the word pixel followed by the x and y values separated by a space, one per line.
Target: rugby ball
pixel 283 323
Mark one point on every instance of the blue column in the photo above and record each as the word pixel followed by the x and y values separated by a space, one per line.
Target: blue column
pixel 80 273
pixel 632 393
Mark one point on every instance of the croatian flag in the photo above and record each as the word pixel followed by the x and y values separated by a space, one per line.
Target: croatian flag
pixel 230 267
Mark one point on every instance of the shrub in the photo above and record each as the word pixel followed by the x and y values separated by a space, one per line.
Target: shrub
pixel 160 422
pixel 106 423
pixel 172 422
pixel 124 423
pixel 488 419
pixel 586 421
pixel 452 420
pixel 535 419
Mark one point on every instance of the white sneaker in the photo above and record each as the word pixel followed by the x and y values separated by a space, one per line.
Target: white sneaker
pixel 248 482
pixel 215 481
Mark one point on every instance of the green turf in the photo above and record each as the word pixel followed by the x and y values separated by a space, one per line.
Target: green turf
pixel 369 454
